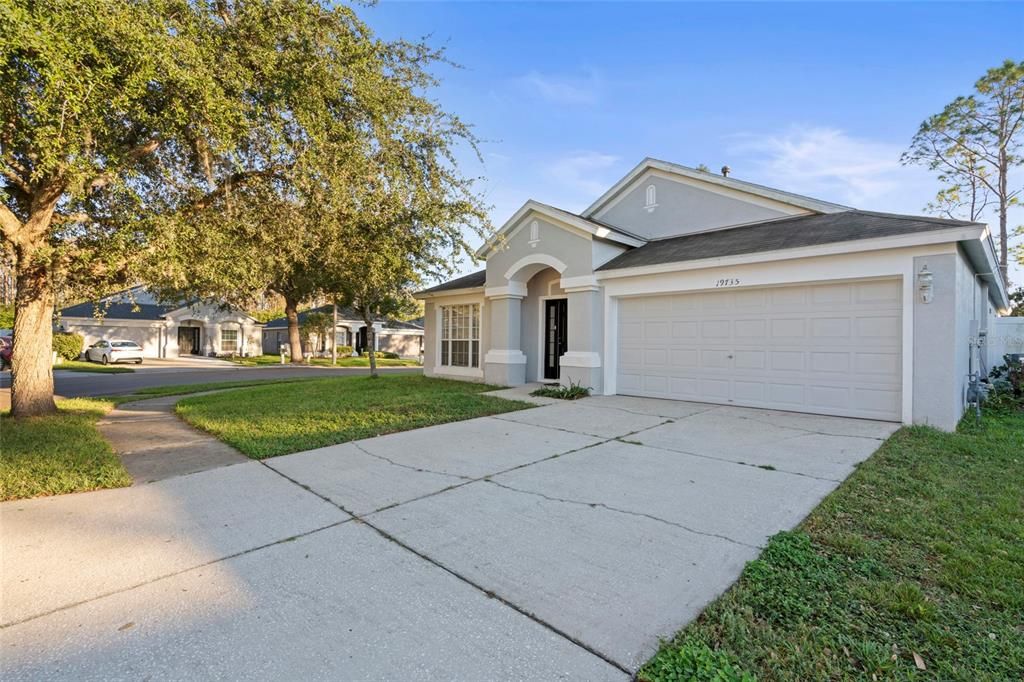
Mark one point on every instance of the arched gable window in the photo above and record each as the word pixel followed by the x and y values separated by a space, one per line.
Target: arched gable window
pixel 652 198
pixel 534 233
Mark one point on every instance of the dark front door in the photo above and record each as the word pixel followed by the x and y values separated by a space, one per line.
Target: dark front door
pixel 556 322
pixel 188 340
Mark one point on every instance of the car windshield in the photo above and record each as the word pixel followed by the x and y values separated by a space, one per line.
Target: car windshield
pixel 125 344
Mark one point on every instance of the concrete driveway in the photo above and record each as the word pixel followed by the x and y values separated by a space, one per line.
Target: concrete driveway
pixel 558 542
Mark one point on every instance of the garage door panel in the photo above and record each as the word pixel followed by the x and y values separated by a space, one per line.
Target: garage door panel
pixel 830 348
pixel 827 361
pixel 684 357
pixel 788 360
pixel 750 391
pixel 684 388
pixel 886 364
pixel 791 328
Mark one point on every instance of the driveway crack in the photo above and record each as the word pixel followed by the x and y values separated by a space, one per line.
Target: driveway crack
pixel 619 510
pixel 408 466
pixel 465 579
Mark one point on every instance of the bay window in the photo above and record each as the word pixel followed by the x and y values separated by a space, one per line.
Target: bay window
pixel 460 335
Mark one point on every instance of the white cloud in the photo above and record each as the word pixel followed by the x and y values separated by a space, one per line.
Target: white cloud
pixel 831 164
pixel 580 175
pixel 564 89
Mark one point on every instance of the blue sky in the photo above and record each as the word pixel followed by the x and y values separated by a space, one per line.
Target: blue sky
pixel 819 99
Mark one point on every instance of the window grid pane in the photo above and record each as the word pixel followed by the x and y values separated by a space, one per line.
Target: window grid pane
pixel 460 335
pixel 229 340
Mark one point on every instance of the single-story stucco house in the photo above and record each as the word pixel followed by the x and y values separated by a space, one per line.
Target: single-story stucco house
pixel 683 284
pixel 164 330
pixel 391 336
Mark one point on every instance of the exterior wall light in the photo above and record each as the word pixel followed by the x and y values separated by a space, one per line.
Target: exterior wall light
pixel 924 284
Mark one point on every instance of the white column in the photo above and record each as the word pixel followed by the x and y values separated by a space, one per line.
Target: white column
pixel 505 362
pixel 581 364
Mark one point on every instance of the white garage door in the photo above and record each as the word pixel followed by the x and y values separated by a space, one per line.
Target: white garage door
pixel 822 348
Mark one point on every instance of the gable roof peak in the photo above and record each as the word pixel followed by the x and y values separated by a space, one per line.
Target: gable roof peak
pixel 728 182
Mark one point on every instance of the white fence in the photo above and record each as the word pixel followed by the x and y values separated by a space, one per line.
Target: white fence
pixel 1005 336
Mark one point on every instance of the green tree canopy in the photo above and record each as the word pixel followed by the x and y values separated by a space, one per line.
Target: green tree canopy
pixel 974 143
pixel 215 148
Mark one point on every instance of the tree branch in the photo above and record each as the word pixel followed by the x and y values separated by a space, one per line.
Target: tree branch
pixel 234 180
pixel 144 149
pixel 9 224
pixel 16 179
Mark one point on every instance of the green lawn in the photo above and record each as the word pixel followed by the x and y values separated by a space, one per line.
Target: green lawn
pixel 82 366
pixel 920 551
pixel 58 454
pixel 184 389
pixel 277 419
pixel 260 360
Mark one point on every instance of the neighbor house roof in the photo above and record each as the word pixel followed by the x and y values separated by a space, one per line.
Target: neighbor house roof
pixel 473 280
pixel 775 235
pixel 344 313
pixel 119 311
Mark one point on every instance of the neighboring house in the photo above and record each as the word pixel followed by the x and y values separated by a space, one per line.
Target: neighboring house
pixel 392 336
pixel 682 284
pixel 164 330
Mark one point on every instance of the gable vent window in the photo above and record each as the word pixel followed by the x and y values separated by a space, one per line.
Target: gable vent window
pixel 652 199
pixel 534 233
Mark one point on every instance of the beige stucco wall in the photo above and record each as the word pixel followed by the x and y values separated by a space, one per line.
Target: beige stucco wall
pixel 405 345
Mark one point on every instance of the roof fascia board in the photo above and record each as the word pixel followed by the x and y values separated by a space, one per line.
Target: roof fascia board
pixel 957 234
pixel 982 255
pixel 808 203
pixel 422 295
pixel 562 219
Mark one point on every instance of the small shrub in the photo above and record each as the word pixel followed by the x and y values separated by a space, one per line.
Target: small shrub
pixel 573 391
pixel 68 346
pixel 692 661
pixel 344 351
pixel 1007 382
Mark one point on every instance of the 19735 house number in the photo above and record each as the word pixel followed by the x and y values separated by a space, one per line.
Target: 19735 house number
pixel 727 282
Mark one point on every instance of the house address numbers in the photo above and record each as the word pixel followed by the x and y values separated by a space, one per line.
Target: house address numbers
pixel 727 282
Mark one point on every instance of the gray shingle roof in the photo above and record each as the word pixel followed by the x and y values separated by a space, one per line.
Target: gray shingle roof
pixel 120 311
pixel 785 233
pixel 470 281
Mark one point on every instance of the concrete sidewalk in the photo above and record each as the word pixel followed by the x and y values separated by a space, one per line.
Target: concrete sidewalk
pixel 558 542
pixel 154 444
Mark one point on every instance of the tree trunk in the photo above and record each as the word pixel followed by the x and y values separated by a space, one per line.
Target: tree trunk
pixel 291 311
pixel 1003 201
pixel 32 356
pixel 334 335
pixel 371 339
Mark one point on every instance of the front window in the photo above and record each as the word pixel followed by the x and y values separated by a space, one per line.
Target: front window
pixel 229 340
pixel 460 335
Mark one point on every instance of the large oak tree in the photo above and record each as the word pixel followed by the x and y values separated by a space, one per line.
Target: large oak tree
pixel 193 143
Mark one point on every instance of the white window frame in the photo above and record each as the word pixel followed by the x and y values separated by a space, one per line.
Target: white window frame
pixel 470 333
pixel 237 341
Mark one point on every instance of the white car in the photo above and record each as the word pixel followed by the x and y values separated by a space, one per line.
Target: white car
pixel 116 350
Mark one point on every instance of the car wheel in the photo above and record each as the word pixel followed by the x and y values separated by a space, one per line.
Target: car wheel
pixel 105 360
pixel 139 361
